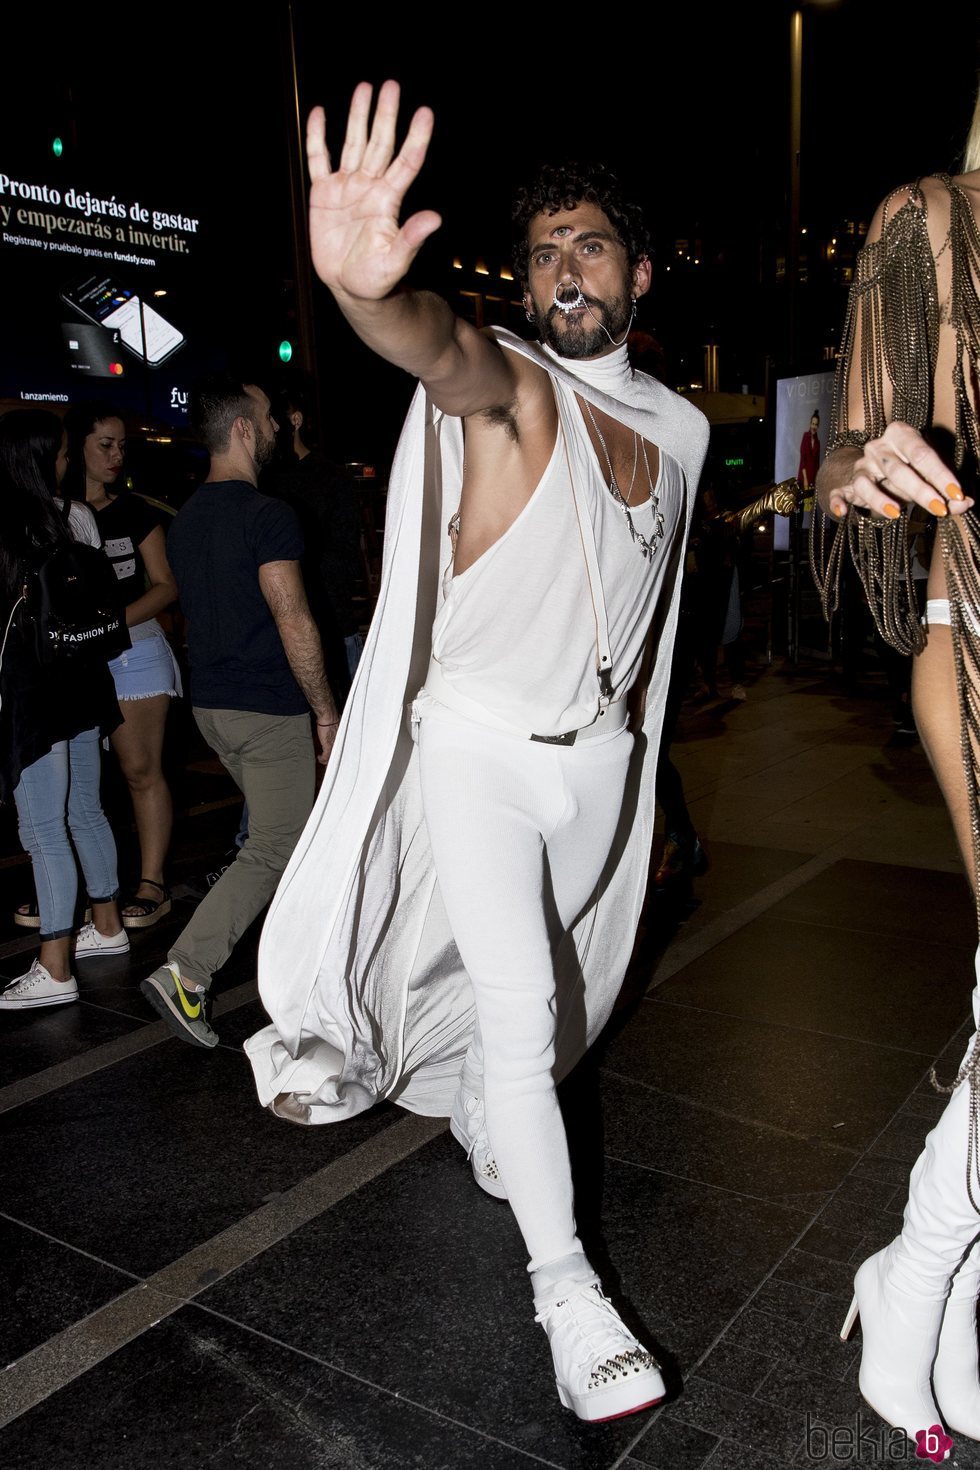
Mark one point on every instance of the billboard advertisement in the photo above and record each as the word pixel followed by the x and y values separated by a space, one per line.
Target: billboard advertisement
pixel 99 295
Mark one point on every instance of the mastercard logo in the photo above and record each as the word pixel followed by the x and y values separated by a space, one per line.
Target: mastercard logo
pixel 116 369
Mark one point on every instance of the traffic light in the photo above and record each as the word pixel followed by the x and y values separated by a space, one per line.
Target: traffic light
pixel 285 350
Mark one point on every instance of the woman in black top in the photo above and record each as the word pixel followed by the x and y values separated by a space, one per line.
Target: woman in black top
pixel 146 676
pixel 51 720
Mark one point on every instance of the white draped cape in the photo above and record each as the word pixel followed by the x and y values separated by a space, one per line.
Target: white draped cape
pixel 358 969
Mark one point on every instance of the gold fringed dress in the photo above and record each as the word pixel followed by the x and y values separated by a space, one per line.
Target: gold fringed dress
pixel 904 298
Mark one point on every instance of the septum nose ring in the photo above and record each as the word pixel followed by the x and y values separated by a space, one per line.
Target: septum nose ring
pixel 569 303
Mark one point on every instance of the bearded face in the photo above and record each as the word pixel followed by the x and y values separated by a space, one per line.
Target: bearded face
pixel 265 445
pixel 573 324
pixel 581 287
pixel 263 425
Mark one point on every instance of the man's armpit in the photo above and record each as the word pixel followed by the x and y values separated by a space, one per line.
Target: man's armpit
pixel 503 417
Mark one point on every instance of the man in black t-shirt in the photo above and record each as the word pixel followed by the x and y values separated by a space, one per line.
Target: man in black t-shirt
pixel 256 673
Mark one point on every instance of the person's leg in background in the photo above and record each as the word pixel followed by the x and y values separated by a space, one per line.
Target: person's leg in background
pixel 138 745
pixel 62 780
pixel 40 797
pixel 271 759
pixel 683 856
pixel 96 848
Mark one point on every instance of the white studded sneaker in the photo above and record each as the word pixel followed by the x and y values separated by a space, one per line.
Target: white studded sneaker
pixel 89 942
pixel 601 1371
pixel 37 988
pixel 468 1127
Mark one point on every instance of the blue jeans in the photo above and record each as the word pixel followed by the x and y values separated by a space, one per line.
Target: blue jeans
pixel 66 780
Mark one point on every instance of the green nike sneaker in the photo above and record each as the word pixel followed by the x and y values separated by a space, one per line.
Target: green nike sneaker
pixel 180 1004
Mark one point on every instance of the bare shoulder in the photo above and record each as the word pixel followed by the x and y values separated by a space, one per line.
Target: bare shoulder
pixel 906 196
pixel 925 199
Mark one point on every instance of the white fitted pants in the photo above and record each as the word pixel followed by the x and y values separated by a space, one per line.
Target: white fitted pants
pixel 520 832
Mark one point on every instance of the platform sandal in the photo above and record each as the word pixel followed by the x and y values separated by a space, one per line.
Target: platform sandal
pixel 150 910
pixel 28 915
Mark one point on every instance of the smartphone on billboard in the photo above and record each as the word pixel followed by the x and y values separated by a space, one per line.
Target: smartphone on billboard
pixel 105 303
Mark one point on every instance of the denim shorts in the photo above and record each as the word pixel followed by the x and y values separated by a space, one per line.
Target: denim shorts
pixel 149 667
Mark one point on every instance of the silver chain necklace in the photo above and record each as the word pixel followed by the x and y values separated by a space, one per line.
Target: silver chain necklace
pixel 647 548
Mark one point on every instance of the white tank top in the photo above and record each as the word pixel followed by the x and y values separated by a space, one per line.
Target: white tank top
pixel 521 631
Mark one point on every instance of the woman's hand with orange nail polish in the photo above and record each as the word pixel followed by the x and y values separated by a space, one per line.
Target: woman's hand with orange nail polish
pixel 885 473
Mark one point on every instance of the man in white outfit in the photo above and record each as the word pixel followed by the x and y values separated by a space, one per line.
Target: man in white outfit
pixel 574 501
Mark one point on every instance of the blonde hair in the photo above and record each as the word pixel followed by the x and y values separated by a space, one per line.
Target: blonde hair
pixel 971 151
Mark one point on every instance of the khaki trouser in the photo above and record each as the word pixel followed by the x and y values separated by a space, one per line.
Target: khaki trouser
pixel 271 758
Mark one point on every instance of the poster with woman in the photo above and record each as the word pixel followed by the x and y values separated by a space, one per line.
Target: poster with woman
pixel 802 415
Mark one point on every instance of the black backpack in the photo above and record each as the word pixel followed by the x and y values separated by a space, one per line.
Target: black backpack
pixel 73 604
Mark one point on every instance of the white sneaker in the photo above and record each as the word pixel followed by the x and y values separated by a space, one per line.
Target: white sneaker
pixel 468 1127
pixel 601 1371
pixel 37 988
pixel 88 942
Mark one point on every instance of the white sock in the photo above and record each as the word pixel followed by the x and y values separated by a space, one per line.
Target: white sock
pixel 557 1277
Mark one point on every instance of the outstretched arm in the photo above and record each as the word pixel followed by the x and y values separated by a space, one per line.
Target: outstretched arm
pixel 362 252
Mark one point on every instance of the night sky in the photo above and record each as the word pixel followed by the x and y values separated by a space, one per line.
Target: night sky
pixel 689 104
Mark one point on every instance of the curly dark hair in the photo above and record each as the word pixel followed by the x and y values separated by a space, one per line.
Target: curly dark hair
pixel 562 186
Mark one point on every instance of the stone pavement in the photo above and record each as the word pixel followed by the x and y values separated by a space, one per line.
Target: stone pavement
pixel 188 1281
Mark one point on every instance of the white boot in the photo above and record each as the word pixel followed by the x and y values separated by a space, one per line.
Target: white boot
pixel 955 1375
pixel 899 1335
pixel 901 1292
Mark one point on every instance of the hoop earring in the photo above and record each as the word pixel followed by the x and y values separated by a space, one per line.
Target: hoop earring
pixel 530 316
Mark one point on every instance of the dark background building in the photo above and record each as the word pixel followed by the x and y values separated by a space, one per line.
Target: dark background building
pixel 691 106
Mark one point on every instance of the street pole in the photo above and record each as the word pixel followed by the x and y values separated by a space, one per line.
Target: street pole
pixel 302 270
pixel 793 272
pixel 795 145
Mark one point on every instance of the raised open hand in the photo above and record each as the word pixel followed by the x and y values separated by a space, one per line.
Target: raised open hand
pixel 358 247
